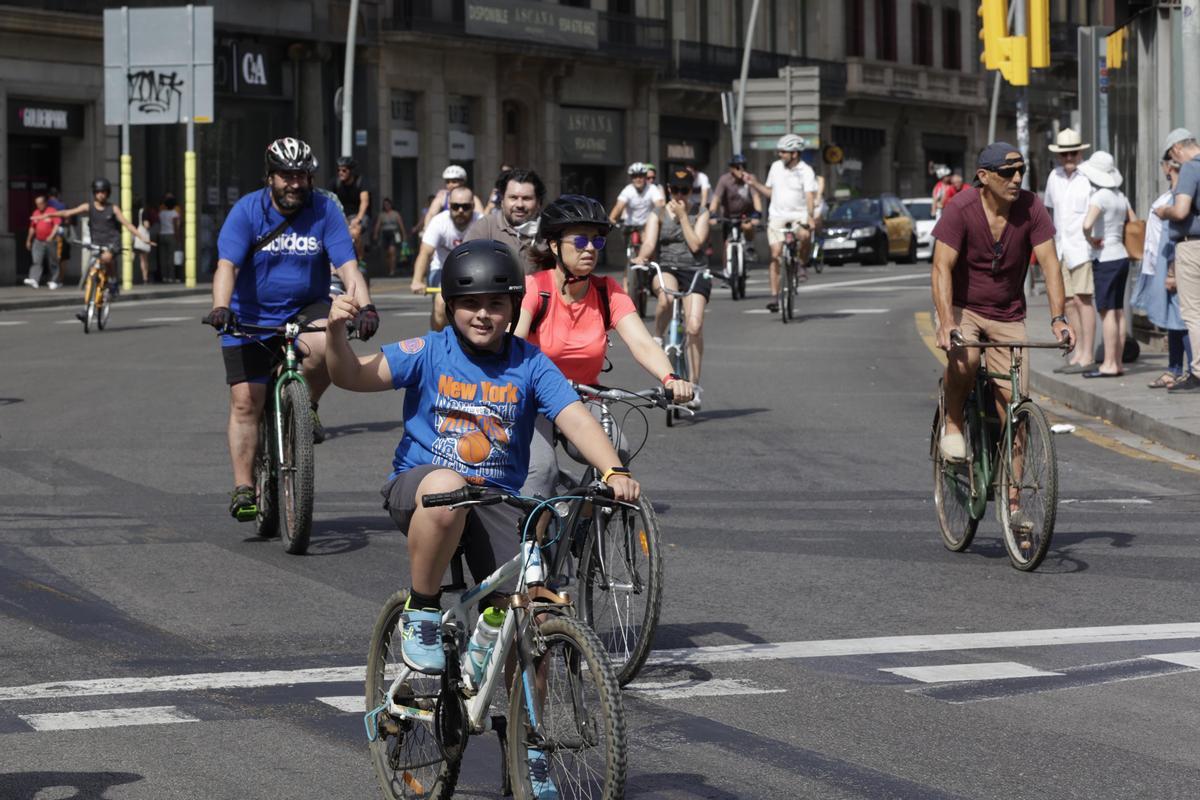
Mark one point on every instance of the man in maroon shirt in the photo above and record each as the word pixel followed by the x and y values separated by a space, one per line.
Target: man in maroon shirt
pixel 984 240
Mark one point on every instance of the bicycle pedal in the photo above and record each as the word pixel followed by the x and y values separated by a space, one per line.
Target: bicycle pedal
pixel 247 514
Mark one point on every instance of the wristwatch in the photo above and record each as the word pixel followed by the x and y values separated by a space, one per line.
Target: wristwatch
pixel 671 376
pixel 1060 318
pixel 615 471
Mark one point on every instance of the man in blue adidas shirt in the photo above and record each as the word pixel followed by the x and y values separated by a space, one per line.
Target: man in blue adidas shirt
pixel 274 253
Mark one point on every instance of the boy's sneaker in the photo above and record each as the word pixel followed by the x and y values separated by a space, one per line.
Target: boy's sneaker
pixel 421 640
pixel 53 285
pixel 539 776
pixel 318 428
pixel 243 505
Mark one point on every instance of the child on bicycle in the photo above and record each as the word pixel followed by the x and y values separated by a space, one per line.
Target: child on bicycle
pixel 574 310
pixel 474 391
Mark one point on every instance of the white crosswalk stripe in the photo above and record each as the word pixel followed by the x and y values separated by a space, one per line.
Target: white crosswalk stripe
pixel 990 671
pixel 107 718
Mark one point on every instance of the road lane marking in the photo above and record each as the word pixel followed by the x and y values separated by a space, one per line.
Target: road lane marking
pixel 349 703
pixel 928 335
pixel 14 322
pixel 1188 659
pixel 862 311
pixel 1124 501
pixel 67 322
pixel 711 654
pixel 165 319
pixel 681 690
pixel 106 718
pixel 946 673
pixel 862 282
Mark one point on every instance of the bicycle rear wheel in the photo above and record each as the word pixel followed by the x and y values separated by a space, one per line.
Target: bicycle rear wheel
pixel 1027 538
pixel 954 488
pixel 679 365
pixel 105 306
pixel 621 578
pixel 735 271
pixel 788 290
pixel 578 703
pixel 266 519
pixel 296 468
pixel 413 759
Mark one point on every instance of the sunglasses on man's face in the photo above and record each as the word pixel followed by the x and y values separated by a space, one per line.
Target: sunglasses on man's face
pixel 581 242
pixel 1008 172
pixel 461 206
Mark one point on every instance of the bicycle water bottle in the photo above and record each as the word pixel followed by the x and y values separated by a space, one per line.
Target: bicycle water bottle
pixel 487 630
pixel 534 574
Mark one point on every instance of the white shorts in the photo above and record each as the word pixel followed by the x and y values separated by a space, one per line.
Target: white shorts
pixel 776 226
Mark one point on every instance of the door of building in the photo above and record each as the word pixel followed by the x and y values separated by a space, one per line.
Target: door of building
pixel 404 190
pixel 34 165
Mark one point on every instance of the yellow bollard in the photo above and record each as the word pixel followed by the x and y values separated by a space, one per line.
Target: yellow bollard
pixel 189 217
pixel 127 209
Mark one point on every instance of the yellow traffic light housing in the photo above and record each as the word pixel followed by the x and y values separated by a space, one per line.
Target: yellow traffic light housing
pixel 1011 54
pixel 1039 34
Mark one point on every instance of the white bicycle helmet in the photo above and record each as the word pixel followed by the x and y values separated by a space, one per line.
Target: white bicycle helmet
pixel 637 168
pixel 454 173
pixel 790 143
pixel 941 171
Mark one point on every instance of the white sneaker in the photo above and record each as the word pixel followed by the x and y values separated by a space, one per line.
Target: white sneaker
pixel 53 285
pixel 953 447
pixel 31 283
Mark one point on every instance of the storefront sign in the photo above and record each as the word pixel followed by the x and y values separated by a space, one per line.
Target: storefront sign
pixel 535 22
pixel 462 146
pixel 681 152
pixel 591 136
pixel 405 144
pixel 44 119
pixel 246 67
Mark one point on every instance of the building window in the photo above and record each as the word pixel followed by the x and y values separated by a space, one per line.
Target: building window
pixel 856 45
pixel 951 39
pixel 885 30
pixel 922 34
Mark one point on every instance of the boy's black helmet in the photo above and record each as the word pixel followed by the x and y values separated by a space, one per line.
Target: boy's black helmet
pixel 571 209
pixel 482 266
pixel 101 185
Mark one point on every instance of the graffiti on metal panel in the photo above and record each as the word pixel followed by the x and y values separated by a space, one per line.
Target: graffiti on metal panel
pixel 155 92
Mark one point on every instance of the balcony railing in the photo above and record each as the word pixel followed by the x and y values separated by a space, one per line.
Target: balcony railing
pixel 621 35
pixel 711 63
pixel 898 82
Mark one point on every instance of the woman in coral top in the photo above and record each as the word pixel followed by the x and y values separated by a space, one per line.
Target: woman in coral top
pixel 568 311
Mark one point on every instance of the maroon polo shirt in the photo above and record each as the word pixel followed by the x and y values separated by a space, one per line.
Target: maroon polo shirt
pixel 998 293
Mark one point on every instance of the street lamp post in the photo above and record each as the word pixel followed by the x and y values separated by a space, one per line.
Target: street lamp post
pixel 348 82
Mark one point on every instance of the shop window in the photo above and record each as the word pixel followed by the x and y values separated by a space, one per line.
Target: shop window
pixel 922 34
pixel 885 30
pixel 856 45
pixel 951 39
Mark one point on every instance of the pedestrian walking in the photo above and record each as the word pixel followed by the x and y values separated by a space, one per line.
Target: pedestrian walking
pixel 1181 146
pixel 1104 227
pixel 389 231
pixel 42 243
pixel 169 223
pixel 142 247
pixel 1155 290
pixel 1066 198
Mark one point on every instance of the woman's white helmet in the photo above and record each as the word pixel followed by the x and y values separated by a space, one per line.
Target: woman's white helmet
pixel 454 173
pixel 790 143
pixel 637 168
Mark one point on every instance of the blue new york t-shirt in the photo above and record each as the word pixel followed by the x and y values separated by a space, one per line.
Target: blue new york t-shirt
pixel 293 270
pixel 473 415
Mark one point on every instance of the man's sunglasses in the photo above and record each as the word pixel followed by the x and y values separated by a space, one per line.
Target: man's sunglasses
pixel 1008 172
pixel 581 242
pixel 680 189
pixel 461 206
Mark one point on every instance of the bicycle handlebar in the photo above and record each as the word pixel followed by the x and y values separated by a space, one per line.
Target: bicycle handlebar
pixel 242 330
pixel 483 496
pixel 957 340
pixel 701 272
pixel 95 248
pixel 659 396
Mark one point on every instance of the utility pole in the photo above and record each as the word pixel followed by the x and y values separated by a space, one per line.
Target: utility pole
pixel 1190 63
pixel 348 82
pixel 741 103
pixel 1020 27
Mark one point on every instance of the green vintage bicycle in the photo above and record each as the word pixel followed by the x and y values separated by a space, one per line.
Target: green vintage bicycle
pixel 1011 461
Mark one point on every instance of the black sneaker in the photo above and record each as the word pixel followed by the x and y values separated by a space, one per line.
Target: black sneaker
pixel 1189 384
pixel 243 505
pixel 773 307
pixel 318 428
pixel 81 316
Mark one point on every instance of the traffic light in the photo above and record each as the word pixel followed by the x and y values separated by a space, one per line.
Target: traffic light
pixel 1039 33
pixel 1115 48
pixel 1013 55
pixel 994 33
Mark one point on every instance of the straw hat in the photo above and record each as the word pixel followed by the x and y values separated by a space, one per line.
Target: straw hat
pixel 1068 141
pixel 1101 171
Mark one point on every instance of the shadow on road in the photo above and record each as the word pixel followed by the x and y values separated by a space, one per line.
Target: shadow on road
pixel 724 413
pixel 87 785
pixel 8 401
pixel 675 784
pixel 338 431
pixel 812 317
pixel 670 636
pixel 347 534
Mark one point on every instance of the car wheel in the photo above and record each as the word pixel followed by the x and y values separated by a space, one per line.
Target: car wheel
pixel 911 256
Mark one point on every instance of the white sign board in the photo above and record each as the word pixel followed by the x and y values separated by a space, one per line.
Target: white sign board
pixel 790 103
pixel 405 144
pixel 158 65
pixel 462 146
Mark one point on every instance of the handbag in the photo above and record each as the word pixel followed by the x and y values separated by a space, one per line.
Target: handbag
pixel 1135 239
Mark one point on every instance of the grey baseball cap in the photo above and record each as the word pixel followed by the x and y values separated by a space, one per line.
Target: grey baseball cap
pixel 1175 137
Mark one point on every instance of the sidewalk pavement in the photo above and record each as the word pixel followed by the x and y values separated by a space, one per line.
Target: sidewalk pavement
pixel 1172 420
pixel 20 298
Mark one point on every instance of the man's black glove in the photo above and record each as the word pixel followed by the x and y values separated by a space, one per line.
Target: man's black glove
pixel 221 318
pixel 366 322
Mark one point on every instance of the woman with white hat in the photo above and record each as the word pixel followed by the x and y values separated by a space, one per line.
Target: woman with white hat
pixel 1104 227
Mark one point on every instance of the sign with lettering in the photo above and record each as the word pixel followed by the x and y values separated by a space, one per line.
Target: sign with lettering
pixel 405 143
pixel 534 22
pixel 462 146
pixel 44 119
pixel 247 67
pixel 158 65
pixel 591 136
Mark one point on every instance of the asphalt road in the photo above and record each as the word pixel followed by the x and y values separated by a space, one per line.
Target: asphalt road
pixel 806 582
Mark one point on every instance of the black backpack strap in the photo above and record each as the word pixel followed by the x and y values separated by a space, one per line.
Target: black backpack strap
pixel 602 293
pixel 540 314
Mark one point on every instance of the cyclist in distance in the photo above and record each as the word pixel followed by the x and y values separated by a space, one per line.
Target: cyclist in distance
pixel 681 240
pixel 454 176
pixel 734 198
pixel 105 221
pixel 274 252
pixel 494 198
pixel 446 231
pixel 515 223
pixel 792 188
pixel 574 310
pixel 984 239
pixel 652 176
pixel 473 392
pixel 355 198
pixel 634 205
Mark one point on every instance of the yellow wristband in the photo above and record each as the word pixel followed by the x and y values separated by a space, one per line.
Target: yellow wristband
pixel 615 471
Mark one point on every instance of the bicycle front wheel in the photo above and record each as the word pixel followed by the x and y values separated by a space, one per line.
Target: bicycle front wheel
pixel 102 311
pixel 414 758
pixel 1027 488
pixel 953 489
pixel 580 745
pixel 788 293
pixel 266 519
pixel 295 479
pixel 621 579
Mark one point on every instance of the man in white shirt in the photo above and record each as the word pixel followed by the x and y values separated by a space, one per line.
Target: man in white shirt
pixel 1066 198
pixel 701 186
pixel 446 231
pixel 792 189
pixel 635 204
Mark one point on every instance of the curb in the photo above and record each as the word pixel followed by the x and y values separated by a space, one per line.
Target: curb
pixel 1133 421
pixel 71 297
